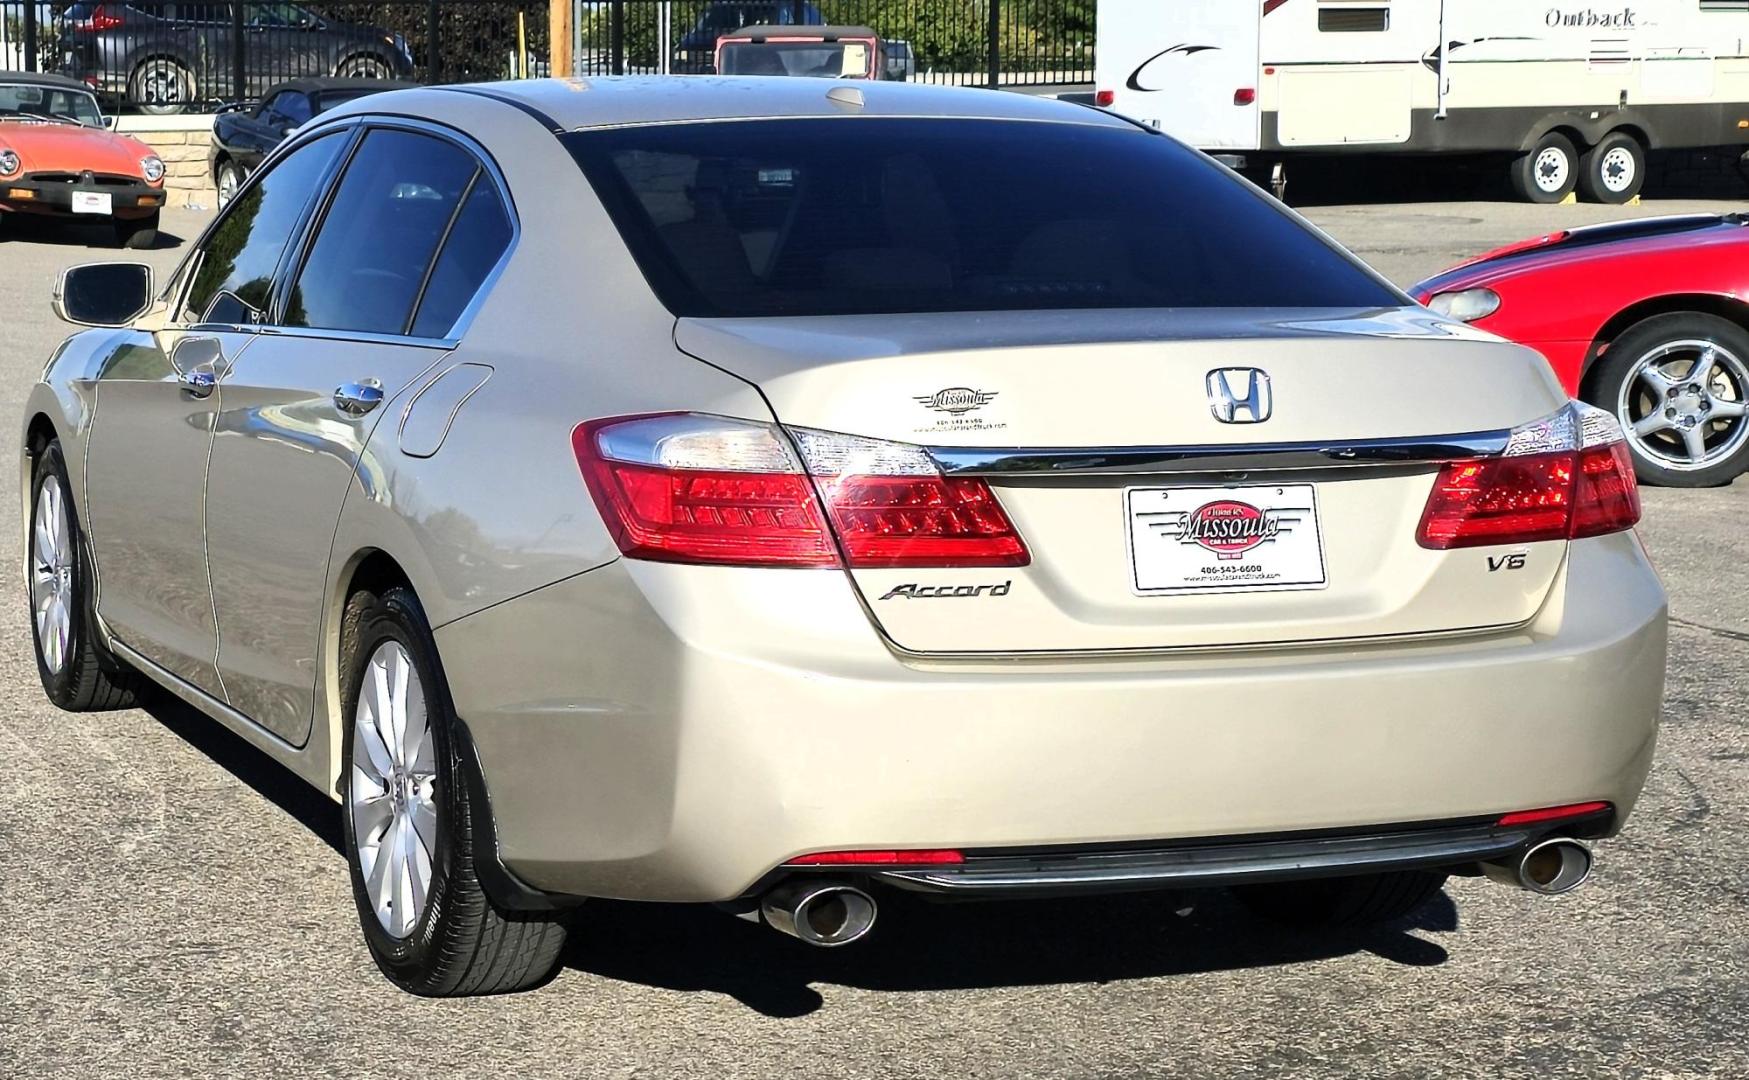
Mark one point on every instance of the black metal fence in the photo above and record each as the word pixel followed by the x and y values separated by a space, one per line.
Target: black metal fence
pixel 167 56
pixel 969 42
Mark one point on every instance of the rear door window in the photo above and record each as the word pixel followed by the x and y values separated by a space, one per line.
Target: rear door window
pixel 888 215
pixel 475 244
pixel 390 211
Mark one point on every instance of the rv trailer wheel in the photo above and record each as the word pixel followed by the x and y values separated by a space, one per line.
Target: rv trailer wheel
pixel 1613 170
pixel 1548 172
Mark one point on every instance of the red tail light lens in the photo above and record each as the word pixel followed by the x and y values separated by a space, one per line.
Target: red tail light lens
pixel 101 18
pixel 686 488
pixel 1104 98
pixel 921 521
pixel 1560 494
pixel 695 516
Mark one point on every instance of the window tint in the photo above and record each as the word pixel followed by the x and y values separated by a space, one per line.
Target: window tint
pixel 475 244
pixel 242 253
pixel 388 214
pixel 876 215
pixel 290 107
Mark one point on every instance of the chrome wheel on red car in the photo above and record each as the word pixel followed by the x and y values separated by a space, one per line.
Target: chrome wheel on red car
pixel 1679 384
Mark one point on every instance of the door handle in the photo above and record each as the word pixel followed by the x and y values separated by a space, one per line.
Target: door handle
pixel 356 399
pixel 197 383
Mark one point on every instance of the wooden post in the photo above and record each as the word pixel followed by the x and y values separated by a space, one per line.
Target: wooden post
pixel 561 38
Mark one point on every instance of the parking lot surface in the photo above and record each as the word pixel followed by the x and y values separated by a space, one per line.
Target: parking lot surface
pixel 172 904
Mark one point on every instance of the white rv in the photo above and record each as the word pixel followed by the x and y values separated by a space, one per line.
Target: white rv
pixel 1575 93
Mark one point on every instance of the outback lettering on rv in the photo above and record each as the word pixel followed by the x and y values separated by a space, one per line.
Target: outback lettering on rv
pixel 1591 17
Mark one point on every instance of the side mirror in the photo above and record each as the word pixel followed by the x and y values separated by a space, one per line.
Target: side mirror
pixel 104 294
pixel 110 122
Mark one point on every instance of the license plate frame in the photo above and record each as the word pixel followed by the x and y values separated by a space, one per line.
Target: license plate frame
pixel 1232 538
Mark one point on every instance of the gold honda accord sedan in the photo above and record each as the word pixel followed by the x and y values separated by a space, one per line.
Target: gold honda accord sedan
pixel 778 494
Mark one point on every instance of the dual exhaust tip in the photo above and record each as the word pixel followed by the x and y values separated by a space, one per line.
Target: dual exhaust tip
pixel 1550 868
pixel 819 911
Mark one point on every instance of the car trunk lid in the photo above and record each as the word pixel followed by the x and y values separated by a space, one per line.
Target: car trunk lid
pixel 1150 522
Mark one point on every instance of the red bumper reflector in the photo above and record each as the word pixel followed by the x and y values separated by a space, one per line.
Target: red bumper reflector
pixel 878 858
pixel 1552 813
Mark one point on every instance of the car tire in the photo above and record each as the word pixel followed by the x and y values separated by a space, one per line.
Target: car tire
pixel 1613 170
pixel 1548 172
pixel 364 67
pixel 161 86
pixel 1344 902
pixel 138 234
pixel 227 178
pixel 406 795
pixel 1661 443
pixel 78 672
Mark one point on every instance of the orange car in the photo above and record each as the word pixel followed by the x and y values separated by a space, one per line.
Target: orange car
pixel 59 158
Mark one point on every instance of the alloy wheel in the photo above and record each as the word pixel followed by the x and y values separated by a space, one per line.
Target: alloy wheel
pixel 229 182
pixel 392 794
pixel 51 575
pixel 1683 404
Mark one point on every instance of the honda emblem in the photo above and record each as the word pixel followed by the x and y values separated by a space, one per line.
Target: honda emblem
pixel 1240 395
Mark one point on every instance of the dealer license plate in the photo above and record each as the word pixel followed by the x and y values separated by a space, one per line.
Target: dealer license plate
pixel 92 202
pixel 1224 539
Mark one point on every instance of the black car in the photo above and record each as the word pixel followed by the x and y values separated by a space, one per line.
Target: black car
pixel 244 134
pixel 165 55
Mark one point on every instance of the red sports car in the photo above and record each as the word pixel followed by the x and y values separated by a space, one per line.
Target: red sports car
pixel 58 158
pixel 1646 318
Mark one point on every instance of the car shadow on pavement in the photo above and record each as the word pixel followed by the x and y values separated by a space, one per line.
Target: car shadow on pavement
pixel 266 777
pixel 917 945
pixel 64 234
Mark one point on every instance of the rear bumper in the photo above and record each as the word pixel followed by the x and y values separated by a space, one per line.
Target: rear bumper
pixel 38 197
pixel 676 733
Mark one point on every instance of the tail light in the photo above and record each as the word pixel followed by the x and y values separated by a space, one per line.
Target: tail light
pixel 101 18
pixel 1105 98
pixel 683 487
pixel 1561 478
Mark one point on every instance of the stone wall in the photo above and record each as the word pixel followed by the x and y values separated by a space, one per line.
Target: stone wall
pixel 183 143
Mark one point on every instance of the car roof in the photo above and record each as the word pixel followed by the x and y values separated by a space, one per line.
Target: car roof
pixel 329 84
pixel 622 100
pixel 37 78
pixel 799 30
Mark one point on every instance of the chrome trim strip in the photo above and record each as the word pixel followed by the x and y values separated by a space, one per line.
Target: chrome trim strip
pixel 1239 457
pixel 1199 866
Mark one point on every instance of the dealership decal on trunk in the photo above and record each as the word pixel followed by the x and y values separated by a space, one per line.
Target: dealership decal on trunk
pixel 955 403
pixel 1224 539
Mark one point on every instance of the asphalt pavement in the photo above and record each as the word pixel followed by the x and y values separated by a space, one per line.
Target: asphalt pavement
pixel 172 904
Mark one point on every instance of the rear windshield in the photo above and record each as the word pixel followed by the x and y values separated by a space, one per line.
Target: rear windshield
pixel 878 216
pixel 810 59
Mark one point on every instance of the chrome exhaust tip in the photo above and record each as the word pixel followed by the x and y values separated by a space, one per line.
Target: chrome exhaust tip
pixel 819 911
pixel 1549 868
